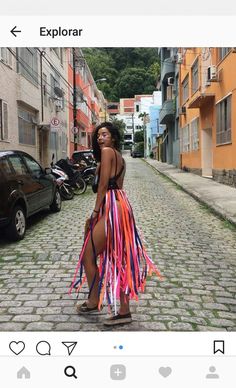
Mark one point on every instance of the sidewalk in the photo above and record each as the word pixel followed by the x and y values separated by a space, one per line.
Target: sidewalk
pixel 220 198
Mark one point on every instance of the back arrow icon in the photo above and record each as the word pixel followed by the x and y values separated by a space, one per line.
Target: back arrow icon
pixel 13 31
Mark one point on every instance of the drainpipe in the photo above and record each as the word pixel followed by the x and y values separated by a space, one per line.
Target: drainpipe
pixel 74 101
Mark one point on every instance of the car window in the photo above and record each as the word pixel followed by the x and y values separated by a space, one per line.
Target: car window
pixel 18 164
pixel 33 166
pixel 5 167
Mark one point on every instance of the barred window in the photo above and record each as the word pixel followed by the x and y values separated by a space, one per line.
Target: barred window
pixel 53 141
pixel 223 51
pixel 185 89
pixel 223 121
pixel 195 134
pixel 45 97
pixel 27 125
pixel 6 56
pixel 195 77
pixel 64 142
pixel 185 139
pixel 3 120
pixel 27 63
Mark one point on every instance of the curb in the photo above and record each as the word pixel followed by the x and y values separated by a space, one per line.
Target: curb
pixel 222 215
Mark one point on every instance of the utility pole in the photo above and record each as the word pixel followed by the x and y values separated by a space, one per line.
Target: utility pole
pixel 75 129
pixel 133 125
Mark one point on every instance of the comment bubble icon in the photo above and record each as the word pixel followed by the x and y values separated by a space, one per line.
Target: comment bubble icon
pixel 43 348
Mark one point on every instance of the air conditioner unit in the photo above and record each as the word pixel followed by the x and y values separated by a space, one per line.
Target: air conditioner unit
pixel 212 73
pixel 170 81
pixel 178 58
pixel 59 105
pixel 182 110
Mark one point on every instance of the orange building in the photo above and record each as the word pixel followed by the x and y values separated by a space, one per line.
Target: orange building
pixel 89 102
pixel 207 95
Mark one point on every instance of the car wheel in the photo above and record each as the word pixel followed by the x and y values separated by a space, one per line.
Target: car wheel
pixel 56 203
pixel 16 229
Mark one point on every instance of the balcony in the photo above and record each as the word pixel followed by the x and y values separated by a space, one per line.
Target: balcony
pixel 167 69
pixel 201 99
pixel 167 112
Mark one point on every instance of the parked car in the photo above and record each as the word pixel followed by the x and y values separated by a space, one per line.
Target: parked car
pixel 25 189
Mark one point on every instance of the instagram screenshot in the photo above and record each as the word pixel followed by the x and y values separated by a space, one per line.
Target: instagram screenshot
pixel 117 196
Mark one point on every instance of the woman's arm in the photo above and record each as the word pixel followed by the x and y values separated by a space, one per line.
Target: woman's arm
pixel 105 173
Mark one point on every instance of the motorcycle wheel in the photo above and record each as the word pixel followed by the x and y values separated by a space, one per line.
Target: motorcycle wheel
pixel 80 186
pixel 90 179
pixel 66 192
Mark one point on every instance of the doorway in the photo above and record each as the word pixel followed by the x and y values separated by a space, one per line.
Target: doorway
pixel 207 154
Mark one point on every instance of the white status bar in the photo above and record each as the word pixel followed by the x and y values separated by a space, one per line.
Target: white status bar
pixel 114 31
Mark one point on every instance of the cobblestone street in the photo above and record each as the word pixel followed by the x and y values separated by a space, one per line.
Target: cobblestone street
pixel 194 250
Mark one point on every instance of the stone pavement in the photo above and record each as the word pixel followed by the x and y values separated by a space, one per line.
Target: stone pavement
pixel 194 249
pixel 220 198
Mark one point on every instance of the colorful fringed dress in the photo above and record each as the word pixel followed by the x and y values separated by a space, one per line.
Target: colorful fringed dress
pixel 124 264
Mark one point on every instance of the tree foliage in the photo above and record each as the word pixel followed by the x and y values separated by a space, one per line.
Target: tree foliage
pixel 139 136
pixel 128 71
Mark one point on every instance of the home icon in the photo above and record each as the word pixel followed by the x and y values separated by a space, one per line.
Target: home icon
pixel 23 373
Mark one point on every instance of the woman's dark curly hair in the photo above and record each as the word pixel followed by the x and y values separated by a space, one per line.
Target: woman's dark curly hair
pixel 115 134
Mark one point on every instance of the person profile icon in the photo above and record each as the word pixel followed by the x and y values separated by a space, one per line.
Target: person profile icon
pixel 212 375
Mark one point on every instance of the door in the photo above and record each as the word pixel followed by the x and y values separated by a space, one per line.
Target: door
pixel 43 183
pixel 207 154
pixel 21 181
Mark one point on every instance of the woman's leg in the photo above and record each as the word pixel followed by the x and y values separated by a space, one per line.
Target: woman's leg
pixel 124 303
pixel 89 263
pixel 91 269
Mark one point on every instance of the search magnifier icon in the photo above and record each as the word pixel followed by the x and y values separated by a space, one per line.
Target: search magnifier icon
pixel 70 371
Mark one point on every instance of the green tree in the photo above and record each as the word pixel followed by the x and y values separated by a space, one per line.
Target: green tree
pixel 138 136
pixel 120 124
pixel 128 71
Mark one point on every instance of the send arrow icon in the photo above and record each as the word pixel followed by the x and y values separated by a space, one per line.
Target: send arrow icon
pixel 70 346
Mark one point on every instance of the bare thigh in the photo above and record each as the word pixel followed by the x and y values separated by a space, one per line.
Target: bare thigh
pixel 99 237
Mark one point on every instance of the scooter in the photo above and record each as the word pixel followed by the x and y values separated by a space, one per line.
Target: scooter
pixel 66 191
pixel 75 178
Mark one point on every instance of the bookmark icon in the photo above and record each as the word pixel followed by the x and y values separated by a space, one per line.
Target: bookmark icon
pixel 70 346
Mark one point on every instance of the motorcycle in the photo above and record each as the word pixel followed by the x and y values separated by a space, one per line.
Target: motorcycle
pixel 75 179
pixel 87 172
pixel 66 191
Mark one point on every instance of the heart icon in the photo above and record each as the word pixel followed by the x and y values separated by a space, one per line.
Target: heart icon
pixel 165 371
pixel 17 347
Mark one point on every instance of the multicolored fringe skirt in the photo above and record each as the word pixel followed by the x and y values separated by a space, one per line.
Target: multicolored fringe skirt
pixel 124 263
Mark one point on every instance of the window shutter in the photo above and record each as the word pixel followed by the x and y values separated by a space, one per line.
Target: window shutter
pixel 5 121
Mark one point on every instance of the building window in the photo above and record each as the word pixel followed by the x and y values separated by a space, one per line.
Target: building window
pixel 3 120
pixel 64 143
pixel 27 125
pixel 195 134
pixel 223 121
pixel 45 100
pixel 6 56
pixel 185 89
pixel 53 140
pixel 137 108
pixel 27 63
pixel 176 129
pixel 195 77
pixel 55 82
pixel 223 51
pixel 185 139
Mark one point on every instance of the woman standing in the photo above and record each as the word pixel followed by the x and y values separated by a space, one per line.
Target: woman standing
pixel 112 235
